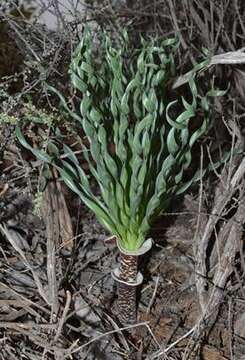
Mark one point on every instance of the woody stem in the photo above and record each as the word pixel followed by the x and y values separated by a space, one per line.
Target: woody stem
pixel 127 293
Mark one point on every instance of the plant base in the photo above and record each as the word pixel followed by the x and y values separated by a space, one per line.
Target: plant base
pixel 128 278
pixel 126 304
pixel 127 286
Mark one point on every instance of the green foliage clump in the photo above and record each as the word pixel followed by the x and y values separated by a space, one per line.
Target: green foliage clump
pixel 38 203
pixel 139 137
pixel 32 114
pixel 8 119
pixel 13 108
pixel 7 104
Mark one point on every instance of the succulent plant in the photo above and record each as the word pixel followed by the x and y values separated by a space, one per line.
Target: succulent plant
pixel 139 138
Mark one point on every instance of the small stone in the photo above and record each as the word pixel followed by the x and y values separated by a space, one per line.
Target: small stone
pixel 84 311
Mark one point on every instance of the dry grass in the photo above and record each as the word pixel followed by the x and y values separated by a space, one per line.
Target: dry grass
pixel 55 287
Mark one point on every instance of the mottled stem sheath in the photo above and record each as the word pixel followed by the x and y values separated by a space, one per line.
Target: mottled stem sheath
pixel 127 311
